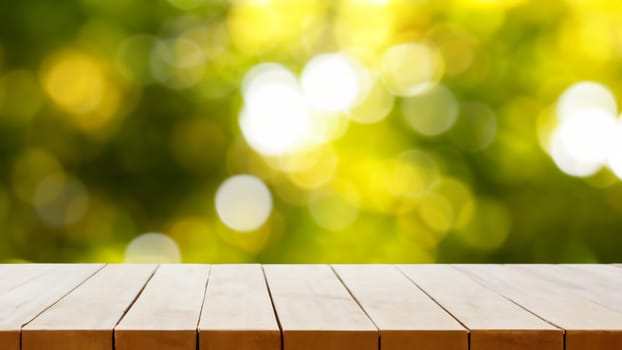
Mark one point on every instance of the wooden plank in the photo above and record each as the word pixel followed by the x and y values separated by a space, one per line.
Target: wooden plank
pixel 599 283
pixel 237 311
pixel 406 317
pixel 494 321
pixel 85 318
pixel 14 275
pixel 315 310
pixel 31 296
pixel 588 325
pixel 166 314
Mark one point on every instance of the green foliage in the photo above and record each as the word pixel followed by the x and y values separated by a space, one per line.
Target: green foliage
pixel 119 118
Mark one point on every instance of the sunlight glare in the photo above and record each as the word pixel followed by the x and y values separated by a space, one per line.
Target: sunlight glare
pixel 275 119
pixel 581 143
pixel 330 82
pixel 585 95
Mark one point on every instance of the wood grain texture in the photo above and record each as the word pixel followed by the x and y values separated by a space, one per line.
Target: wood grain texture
pixel 85 318
pixel 33 293
pixel 406 317
pixel 588 325
pixel 237 311
pixel 494 321
pixel 315 310
pixel 165 315
pixel 599 283
pixel 344 307
pixel 14 275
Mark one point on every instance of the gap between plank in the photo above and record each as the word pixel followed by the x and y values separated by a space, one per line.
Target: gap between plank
pixel 476 280
pixel 357 303
pixel 432 298
pixel 209 272
pixel 439 304
pixel 57 301
pixel 114 345
pixel 276 315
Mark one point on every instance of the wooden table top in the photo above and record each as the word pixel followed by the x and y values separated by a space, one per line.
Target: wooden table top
pixel 310 307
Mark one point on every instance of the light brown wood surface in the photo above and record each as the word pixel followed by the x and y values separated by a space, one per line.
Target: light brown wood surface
pixel 165 315
pixel 33 293
pixel 406 317
pixel 588 325
pixel 237 311
pixel 14 275
pixel 494 321
pixel 599 283
pixel 85 318
pixel 315 310
pixel 310 307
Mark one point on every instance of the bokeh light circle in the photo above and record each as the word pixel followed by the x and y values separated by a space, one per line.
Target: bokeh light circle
pixel 475 128
pixel 74 81
pixel 177 63
pixel 330 82
pixel 585 95
pixel 152 247
pixel 489 227
pixel 334 209
pixel 275 119
pixel 582 142
pixel 266 73
pixel 436 213
pixel 85 88
pixel 29 168
pixel 461 199
pixel 586 134
pixel 133 58
pixel 416 172
pixel 243 203
pixel 376 104
pixel 411 68
pixel 432 112
pixel 60 199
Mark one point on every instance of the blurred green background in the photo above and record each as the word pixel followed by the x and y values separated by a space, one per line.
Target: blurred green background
pixel 310 131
